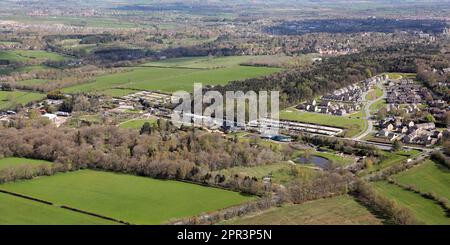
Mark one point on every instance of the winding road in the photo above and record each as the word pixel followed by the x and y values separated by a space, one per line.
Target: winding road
pixel 368 115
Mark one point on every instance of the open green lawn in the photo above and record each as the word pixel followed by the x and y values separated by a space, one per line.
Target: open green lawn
pixel 20 211
pixel 331 211
pixel 428 177
pixel 281 172
pixel 17 161
pixel 137 124
pixel 425 210
pixel 9 99
pixel 138 200
pixel 173 79
pixel 353 125
pixel 27 55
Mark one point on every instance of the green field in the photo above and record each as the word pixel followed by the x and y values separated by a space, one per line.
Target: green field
pixel 88 21
pixel 281 172
pixel 23 69
pixel 428 177
pixel 202 62
pixel 116 92
pixel 20 211
pixel 134 199
pixel 137 124
pixel 341 210
pixel 170 79
pixel 16 161
pixel 9 99
pixel 8 43
pixel 425 210
pixel 174 76
pixel 28 55
pixel 358 115
pixel 353 125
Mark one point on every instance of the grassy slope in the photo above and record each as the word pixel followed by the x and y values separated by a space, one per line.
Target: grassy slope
pixel 428 177
pixel 176 74
pixel 353 124
pixel 27 55
pixel 137 124
pixel 89 21
pixel 397 75
pixel 202 62
pixel 33 82
pixel 337 210
pixel 425 210
pixel 375 94
pixel 375 107
pixel 170 79
pixel 16 161
pixel 120 79
pixel 8 99
pixel 116 92
pixel 23 69
pixel 130 198
pixel 20 211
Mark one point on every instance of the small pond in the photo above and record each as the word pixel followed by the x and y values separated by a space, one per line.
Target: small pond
pixel 320 162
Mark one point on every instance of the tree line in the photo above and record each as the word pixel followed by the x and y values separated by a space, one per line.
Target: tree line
pixel 164 153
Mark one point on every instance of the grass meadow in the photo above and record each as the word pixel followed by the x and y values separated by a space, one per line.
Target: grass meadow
pixel 17 161
pixel 20 211
pixel 428 177
pixel 138 200
pixel 353 125
pixel 9 99
pixel 29 55
pixel 173 75
pixel 425 210
pixel 340 210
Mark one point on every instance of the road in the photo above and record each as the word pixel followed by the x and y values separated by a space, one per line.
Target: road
pixel 368 117
pixel 370 123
